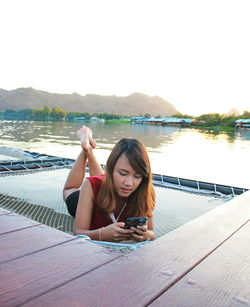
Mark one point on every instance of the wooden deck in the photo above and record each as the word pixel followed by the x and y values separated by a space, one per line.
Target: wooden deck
pixel 206 262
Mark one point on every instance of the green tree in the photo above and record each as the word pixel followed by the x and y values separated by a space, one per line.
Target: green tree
pixel 37 113
pixel 228 120
pixel 10 113
pixel 246 114
pixel 212 119
pixel 45 112
pixel 26 113
pixel 179 115
pixel 57 113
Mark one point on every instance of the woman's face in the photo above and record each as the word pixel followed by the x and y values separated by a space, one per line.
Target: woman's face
pixel 126 179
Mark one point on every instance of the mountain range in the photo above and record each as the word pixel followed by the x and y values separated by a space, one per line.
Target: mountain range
pixel 135 104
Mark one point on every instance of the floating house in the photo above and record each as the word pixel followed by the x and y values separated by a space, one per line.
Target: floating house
pixel 137 119
pixel 97 119
pixel 164 121
pixel 79 118
pixel 242 123
pixel 183 122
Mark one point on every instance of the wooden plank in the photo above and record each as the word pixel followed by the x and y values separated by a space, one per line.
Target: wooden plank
pixel 13 222
pixel 222 279
pixel 29 240
pixel 4 211
pixel 27 277
pixel 144 275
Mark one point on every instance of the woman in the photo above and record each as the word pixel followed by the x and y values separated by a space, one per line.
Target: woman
pixel 102 202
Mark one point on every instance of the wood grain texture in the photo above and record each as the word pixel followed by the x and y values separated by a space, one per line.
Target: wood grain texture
pixel 144 275
pixel 14 222
pixel 222 279
pixel 27 277
pixel 4 211
pixel 29 240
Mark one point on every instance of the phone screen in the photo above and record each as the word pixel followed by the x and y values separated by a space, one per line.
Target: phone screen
pixel 135 221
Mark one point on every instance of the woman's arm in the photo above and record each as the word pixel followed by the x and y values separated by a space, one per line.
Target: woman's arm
pixel 84 211
pixel 113 232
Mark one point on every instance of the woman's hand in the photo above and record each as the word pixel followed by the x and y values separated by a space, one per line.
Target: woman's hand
pixel 115 233
pixel 140 233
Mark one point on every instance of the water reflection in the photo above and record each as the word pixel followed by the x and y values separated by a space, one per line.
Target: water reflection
pixel 155 138
pixel 152 136
pixel 105 134
pixel 230 136
pixel 183 152
pixel 243 134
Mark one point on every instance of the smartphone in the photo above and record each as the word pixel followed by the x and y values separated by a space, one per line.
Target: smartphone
pixel 135 221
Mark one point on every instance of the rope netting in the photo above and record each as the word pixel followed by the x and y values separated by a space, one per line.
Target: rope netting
pixel 37 194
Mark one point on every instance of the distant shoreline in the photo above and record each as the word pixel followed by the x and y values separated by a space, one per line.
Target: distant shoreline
pixel 213 129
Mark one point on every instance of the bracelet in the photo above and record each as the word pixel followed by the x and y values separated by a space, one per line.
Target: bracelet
pixel 147 238
pixel 99 233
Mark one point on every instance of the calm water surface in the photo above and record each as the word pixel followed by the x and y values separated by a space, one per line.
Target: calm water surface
pixel 188 153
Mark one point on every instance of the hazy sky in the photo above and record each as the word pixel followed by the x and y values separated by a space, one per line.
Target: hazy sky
pixel 193 53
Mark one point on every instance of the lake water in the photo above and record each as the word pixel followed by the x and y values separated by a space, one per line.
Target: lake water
pixel 188 153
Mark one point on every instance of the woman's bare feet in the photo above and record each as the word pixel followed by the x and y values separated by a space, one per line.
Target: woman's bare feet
pixel 85 136
pixel 91 140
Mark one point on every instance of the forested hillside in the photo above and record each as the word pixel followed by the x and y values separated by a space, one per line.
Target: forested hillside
pixel 134 104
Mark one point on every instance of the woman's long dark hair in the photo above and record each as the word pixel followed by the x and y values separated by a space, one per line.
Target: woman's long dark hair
pixel 142 201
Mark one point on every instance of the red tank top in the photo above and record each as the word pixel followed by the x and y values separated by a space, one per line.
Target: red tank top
pixel 99 217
